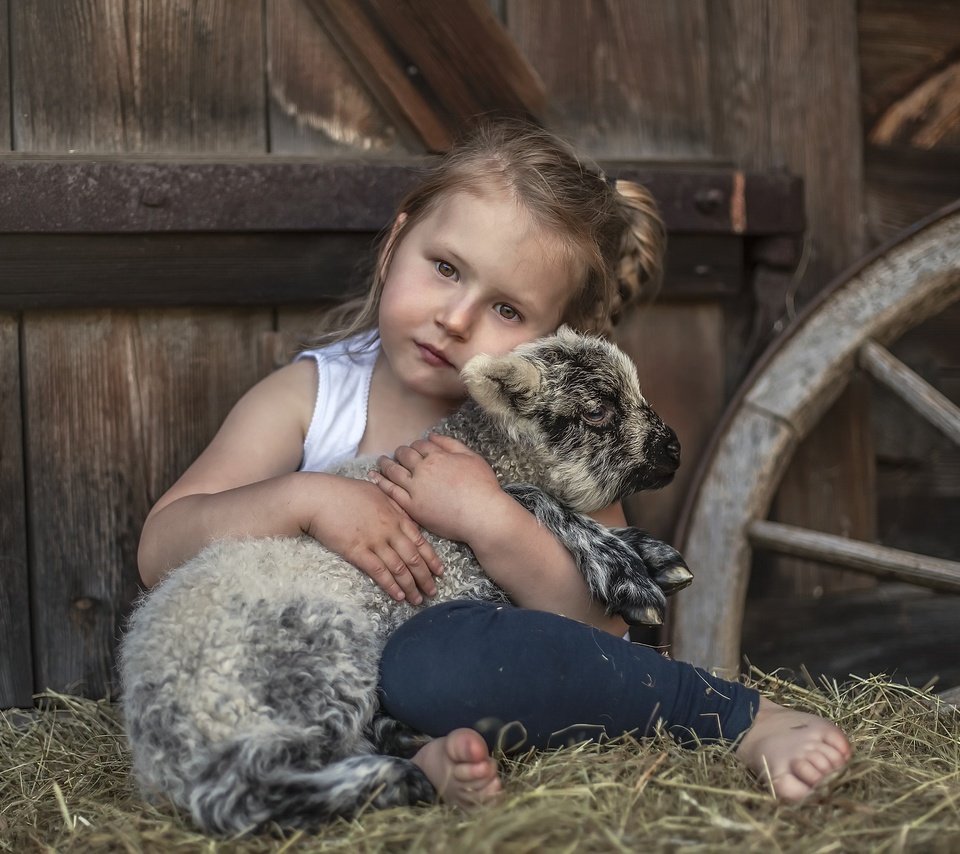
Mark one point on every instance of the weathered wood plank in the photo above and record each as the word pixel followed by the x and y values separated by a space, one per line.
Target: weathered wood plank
pixel 77 271
pixel 463 54
pixel 107 75
pixel 910 82
pixel 918 468
pixel 625 78
pixel 433 66
pixel 907 632
pixel 51 194
pixel 745 468
pixel 676 347
pixel 116 406
pixel 875 560
pixel 6 123
pixel 125 195
pixel 111 76
pixel 740 81
pixel 88 270
pixel 918 393
pixel 830 486
pixel 904 185
pixel 16 662
pixel 782 400
pixel 910 282
pixel 815 96
pixel 784 79
pixel 902 43
pixel 317 104
pixel 369 53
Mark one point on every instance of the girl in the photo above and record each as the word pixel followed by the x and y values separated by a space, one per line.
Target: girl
pixel 509 236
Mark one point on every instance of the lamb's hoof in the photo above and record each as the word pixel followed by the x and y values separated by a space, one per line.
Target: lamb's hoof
pixel 673 578
pixel 641 616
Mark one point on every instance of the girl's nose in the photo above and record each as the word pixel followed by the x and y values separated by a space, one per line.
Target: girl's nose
pixel 455 318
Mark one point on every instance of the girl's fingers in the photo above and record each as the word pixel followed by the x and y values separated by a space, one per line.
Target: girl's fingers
pixel 392 469
pixel 373 567
pixel 387 486
pixel 401 573
pixel 415 564
pixel 448 443
pixel 407 457
pixel 413 533
pixel 421 446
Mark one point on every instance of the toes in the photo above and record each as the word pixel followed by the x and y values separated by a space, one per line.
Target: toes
pixel 477 797
pixel 838 741
pixel 466 746
pixel 790 788
pixel 820 762
pixel 835 757
pixel 473 772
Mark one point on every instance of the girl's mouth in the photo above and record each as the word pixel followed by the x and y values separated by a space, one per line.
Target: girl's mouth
pixel 433 357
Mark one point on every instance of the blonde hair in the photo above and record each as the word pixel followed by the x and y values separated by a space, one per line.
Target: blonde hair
pixel 610 229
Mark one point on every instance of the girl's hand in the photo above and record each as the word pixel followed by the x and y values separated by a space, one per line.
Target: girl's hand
pixel 371 531
pixel 442 484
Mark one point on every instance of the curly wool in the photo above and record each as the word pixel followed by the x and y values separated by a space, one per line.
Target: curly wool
pixel 249 674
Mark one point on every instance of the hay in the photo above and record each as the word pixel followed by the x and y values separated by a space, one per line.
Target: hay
pixel 65 786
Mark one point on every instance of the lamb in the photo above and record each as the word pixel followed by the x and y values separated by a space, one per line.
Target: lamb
pixel 249 674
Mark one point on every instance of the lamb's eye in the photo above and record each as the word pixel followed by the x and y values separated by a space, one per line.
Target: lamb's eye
pixel 599 416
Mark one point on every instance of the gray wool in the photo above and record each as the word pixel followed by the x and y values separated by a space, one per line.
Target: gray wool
pixel 249 673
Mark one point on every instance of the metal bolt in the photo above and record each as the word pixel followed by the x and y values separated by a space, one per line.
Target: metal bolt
pixel 708 202
pixel 151 197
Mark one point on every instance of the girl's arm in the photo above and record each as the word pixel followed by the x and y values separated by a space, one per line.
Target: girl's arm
pixel 454 493
pixel 246 483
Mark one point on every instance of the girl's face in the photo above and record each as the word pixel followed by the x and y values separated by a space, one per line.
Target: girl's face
pixel 476 275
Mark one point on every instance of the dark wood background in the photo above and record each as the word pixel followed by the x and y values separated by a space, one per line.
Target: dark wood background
pixel 107 398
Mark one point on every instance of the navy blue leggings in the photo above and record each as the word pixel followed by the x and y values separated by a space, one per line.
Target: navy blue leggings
pixel 527 678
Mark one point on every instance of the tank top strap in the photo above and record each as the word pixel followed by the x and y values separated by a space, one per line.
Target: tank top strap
pixel 344 371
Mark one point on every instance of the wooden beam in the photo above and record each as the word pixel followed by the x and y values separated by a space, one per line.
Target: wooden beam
pixel 48 271
pixel 433 65
pixel 914 390
pixel 872 559
pixel 123 195
pixel 464 55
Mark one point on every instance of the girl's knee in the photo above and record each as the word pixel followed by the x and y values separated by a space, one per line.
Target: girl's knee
pixel 432 643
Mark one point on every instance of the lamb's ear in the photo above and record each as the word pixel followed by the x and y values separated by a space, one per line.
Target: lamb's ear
pixel 501 384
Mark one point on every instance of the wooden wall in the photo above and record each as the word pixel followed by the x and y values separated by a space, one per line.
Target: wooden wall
pixel 113 403
pixel 910 99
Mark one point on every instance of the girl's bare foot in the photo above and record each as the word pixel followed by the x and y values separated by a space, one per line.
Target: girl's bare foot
pixel 792 751
pixel 460 768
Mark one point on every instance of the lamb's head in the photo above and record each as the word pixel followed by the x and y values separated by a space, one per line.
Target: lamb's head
pixel 575 402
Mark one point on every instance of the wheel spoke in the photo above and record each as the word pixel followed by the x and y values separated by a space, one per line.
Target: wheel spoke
pixel 916 391
pixel 870 558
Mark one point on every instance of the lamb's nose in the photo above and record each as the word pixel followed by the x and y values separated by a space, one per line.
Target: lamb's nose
pixel 672 446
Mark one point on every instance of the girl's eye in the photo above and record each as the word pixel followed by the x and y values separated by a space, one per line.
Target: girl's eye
pixel 447 270
pixel 598 417
pixel 507 312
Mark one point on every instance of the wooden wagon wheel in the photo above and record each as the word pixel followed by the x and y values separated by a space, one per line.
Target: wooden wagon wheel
pixel 798 378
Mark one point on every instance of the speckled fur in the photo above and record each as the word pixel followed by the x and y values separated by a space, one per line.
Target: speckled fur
pixel 249 674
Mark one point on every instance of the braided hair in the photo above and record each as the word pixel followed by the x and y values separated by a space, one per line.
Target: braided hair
pixel 610 229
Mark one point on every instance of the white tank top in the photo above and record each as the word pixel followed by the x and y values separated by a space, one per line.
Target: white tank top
pixel 344 371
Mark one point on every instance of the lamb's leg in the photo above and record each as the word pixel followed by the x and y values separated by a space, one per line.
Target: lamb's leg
pixel 664 563
pixel 393 738
pixel 616 573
